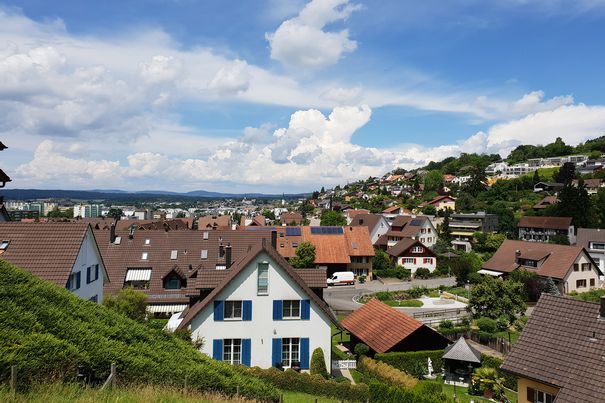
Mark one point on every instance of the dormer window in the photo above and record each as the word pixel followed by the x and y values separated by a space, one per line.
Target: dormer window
pixel 417 249
pixel 174 282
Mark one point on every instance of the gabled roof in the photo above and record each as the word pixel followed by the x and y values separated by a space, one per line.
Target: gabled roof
pixel 462 351
pixel 545 202
pixel 380 326
pixel 214 222
pixel 402 248
pixel 289 217
pixel 563 345
pixel 586 235
pixel 558 259
pixel 47 250
pixel 367 220
pixel 209 279
pixel 392 209
pixel 561 223
pixel 239 266
pixel 438 199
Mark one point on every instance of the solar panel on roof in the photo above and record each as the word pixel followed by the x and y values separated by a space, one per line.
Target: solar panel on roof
pixel 293 231
pixel 416 223
pixel 326 230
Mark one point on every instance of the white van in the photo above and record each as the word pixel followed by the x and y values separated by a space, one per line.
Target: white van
pixel 342 278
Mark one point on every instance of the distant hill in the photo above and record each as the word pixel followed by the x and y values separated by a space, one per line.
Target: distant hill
pixel 48 332
pixel 125 196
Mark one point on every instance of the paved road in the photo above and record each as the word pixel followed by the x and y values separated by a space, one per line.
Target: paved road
pixel 340 298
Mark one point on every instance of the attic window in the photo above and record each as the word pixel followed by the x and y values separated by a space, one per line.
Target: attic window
pixel 147 241
pixel 144 256
pixel 294 244
pixel 4 245
pixel 174 254
pixel 118 240
pixel 205 235
pixel 221 267
pixel 417 249
pixel 204 254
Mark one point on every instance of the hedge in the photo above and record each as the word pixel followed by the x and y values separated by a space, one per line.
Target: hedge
pixel 47 332
pixel 510 380
pixel 318 363
pixel 312 384
pixel 385 373
pixel 414 362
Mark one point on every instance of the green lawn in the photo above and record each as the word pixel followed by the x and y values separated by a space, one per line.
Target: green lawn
pixel 409 303
pixel 462 395
pixel 514 336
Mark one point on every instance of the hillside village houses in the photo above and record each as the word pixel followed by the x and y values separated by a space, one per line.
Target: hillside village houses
pixel 544 229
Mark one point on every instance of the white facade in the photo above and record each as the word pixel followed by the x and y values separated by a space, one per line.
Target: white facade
pixel 87 262
pixel 428 234
pixel 582 276
pixel 379 229
pixel 262 329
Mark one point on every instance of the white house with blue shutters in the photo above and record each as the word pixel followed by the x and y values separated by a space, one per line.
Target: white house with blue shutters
pixel 262 314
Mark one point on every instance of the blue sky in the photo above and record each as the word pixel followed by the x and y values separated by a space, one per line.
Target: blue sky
pixel 286 96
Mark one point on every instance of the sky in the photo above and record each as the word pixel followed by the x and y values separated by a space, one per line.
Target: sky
pixel 286 96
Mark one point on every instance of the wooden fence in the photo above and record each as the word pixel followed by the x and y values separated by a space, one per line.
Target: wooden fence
pixel 497 343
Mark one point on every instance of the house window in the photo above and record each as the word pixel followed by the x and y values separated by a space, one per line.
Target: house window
pixel 174 254
pixel 593 245
pixel 427 260
pixel 92 273
pixel 232 351
pixel 417 249
pixel 409 260
pixel 290 351
pixel 585 266
pixel 576 267
pixel 291 309
pixel 4 245
pixel 233 310
pixel 144 256
pixel 172 282
pixel 73 282
pixel 592 282
pixel 580 283
pixel 147 241
pixel 543 397
pixel 205 235
pixel 263 279
pixel 204 254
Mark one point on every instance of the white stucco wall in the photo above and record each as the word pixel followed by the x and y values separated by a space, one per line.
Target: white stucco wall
pixel 419 263
pixel 89 256
pixel 572 276
pixel 428 239
pixel 262 329
pixel 380 229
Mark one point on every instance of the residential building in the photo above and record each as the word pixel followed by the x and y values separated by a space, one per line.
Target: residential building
pixel 262 313
pixel 214 222
pixel 548 186
pixel 593 240
pixel 420 228
pixel 441 202
pixel 592 185
pixel 463 226
pixel 256 221
pixel 570 267
pixel 590 166
pixel 543 229
pixel 377 225
pixel 352 213
pixel 559 357
pixel 18 215
pixel 413 255
pixel 385 329
pixel 290 218
pixel 63 253
pixel 88 210
pixel 546 202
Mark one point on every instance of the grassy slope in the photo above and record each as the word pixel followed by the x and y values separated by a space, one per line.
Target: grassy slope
pixel 47 331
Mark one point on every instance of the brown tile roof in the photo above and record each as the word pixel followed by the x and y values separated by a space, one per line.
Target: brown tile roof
pixel 208 279
pixel 123 225
pixel 392 209
pixel 559 258
pixel 214 222
pixel 402 248
pixel 545 202
pixel 47 250
pixel 314 278
pixel 352 213
pixel 367 220
pixel 380 326
pixel 240 265
pixel 288 218
pixel 590 183
pixel 563 344
pixel 586 235
pixel 561 223
pixel 436 200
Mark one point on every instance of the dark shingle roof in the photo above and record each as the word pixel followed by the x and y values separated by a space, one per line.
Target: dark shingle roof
pixel 586 235
pixel 563 344
pixel 561 223
pixel 367 220
pixel 462 351
pixel 47 250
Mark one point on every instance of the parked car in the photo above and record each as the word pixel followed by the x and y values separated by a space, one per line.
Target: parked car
pixel 342 278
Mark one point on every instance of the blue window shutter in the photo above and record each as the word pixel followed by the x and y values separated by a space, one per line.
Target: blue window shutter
pixel 305 309
pixel 88 274
pixel 246 347
pixel 278 307
pixel 217 349
pixel 219 310
pixel 304 353
pixel 96 271
pixel 276 356
pixel 77 280
pixel 247 310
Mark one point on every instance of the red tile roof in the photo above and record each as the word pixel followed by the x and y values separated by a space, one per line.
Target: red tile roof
pixel 47 250
pixel 562 223
pixel 214 222
pixel 380 326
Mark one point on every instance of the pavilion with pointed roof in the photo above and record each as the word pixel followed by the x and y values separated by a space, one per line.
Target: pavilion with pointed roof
pixel 459 359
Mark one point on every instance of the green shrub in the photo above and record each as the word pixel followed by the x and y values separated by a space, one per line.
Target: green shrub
pixel 446 324
pixel 312 384
pixel 422 272
pixel 502 323
pixel 383 296
pixel 318 363
pixel 361 349
pixel 128 302
pixel 340 355
pixel 412 362
pixel 386 373
pixel 381 393
pixel 487 325
pixel 510 380
pixel 47 331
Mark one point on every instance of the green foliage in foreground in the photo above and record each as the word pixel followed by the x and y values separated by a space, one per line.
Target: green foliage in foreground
pixel 47 332
pixel 593 295
pixel 412 362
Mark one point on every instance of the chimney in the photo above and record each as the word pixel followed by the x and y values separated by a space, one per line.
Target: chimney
pixel 112 233
pixel 228 256
pixel 274 239
pixel 221 250
pixel 131 232
pixel 602 310
pixel 517 255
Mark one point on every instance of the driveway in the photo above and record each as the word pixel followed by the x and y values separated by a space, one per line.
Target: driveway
pixel 340 298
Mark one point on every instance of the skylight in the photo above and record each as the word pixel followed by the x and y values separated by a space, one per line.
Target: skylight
pixel 4 245
pixel 144 256
pixel 174 254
